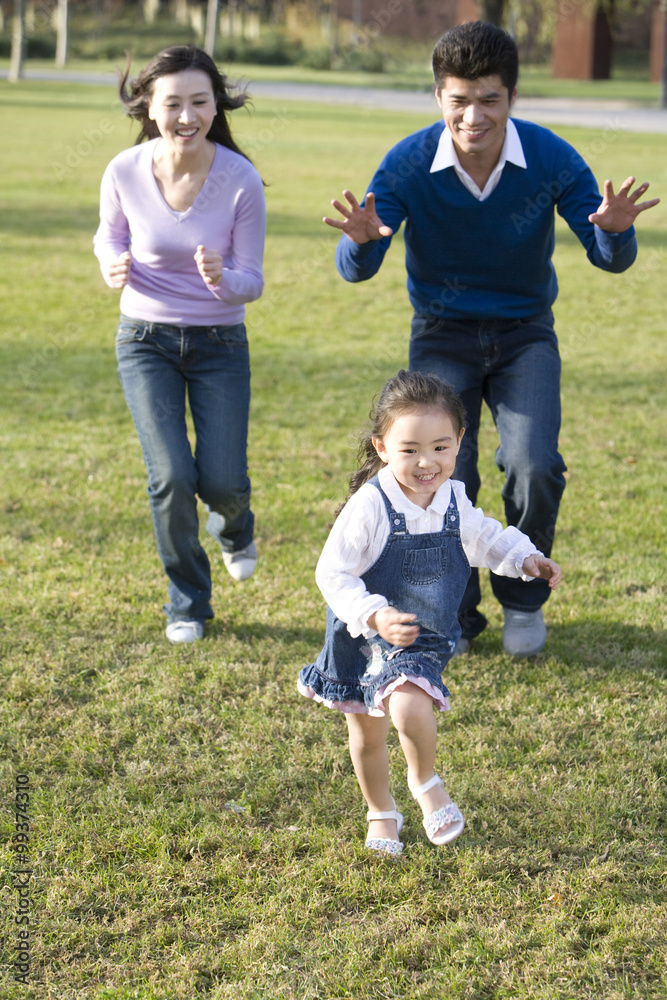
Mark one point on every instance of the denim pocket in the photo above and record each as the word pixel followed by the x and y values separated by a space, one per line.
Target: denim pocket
pixel 423 325
pixel 130 331
pixel 422 567
pixel 543 321
pixel 230 336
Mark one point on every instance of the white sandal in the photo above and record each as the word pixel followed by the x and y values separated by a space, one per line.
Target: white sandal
pixel 449 815
pixel 383 844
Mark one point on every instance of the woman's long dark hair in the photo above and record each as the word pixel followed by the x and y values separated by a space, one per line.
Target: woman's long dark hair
pixel 406 392
pixel 137 96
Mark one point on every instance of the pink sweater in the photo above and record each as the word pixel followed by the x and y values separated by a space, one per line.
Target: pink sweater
pixel 165 286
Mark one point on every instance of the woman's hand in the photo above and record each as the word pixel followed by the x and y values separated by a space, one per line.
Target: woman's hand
pixel 209 265
pixel 119 270
pixel 546 568
pixel 393 625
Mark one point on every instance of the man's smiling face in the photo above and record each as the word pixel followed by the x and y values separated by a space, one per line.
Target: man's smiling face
pixel 476 113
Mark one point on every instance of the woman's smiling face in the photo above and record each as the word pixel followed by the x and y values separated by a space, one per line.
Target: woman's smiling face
pixel 183 108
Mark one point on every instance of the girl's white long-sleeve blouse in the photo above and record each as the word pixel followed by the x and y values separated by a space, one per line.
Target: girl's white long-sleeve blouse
pixel 361 530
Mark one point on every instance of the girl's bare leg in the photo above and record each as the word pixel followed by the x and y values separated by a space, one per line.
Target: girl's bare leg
pixel 411 711
pixel 368 750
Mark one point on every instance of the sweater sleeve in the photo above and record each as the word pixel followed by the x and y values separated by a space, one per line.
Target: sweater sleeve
pixel 361 261
pixel 113 235
pixel 580 198
pixel 242 274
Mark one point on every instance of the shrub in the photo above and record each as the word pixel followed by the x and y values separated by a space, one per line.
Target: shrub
pixel 272 50
pixel 35 48
pixel 316 58
pixel 361 57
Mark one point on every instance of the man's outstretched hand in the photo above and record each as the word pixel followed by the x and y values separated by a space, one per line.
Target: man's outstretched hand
pixel 361 225
pixel 618 212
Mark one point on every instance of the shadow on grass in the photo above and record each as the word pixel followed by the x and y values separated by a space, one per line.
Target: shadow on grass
pixel 20 101
pixel 261 630
pixel 49 221
pixel 587 644
pixel 599 645
pixel 283 224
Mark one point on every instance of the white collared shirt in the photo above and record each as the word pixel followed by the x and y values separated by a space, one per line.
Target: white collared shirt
pixel 360 534
pixel 512 151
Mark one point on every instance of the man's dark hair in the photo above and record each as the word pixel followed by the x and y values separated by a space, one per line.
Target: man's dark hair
pixel 475 49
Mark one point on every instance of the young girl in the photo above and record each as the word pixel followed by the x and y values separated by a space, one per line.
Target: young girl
pixel 392 572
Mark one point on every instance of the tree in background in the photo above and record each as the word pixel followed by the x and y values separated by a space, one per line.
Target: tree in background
pixel 18 42
pixel 61 32
pixel 493 11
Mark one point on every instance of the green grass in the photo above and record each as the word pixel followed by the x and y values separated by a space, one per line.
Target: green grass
pixel 196 827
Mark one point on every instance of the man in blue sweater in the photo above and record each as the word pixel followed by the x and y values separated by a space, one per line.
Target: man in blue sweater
pixel 477 192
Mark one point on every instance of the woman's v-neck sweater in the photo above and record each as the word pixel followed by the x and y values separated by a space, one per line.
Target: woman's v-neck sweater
pixel 228 215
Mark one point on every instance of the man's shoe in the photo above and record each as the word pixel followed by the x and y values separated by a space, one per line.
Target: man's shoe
pixel 462 647
pixel 185 631
pixel 241 565
pixel 472 623
pixel 524 632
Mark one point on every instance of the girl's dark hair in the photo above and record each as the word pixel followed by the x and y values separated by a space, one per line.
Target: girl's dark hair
pixel 475 49
pixel 137 96
pixel 404 393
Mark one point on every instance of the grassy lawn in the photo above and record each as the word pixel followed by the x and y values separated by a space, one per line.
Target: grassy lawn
pixel 196 828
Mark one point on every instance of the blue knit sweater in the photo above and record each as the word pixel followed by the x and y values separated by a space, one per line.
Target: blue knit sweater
pixel 472 259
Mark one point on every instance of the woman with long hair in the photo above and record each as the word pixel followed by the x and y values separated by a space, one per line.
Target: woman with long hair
pixel 182 225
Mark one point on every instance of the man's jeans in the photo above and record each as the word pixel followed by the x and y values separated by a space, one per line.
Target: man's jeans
pixel 157 364
pixel 514 366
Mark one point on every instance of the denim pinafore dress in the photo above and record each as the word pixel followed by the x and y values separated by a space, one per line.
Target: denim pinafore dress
pixel 424 575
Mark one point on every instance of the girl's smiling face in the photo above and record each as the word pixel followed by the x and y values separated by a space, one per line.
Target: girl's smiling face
pixel 420 448
pixel 183 108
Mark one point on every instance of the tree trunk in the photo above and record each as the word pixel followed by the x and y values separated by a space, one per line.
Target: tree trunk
pixel 492 11
pixel 179 12
pixel 61 33
pixel 18 42
pixel 211 26
pixel 151 7
pixel 333 28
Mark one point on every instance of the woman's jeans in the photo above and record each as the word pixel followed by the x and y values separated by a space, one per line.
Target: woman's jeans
pixel 158 364
pixel 514 366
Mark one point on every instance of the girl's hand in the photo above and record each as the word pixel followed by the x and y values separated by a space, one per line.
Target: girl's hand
pixel 543 567
pixel 119 271
pixel 393 625
pixel 209 265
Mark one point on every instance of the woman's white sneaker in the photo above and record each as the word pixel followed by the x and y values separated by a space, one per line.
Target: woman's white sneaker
pixel 241 565
pixel 184 631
